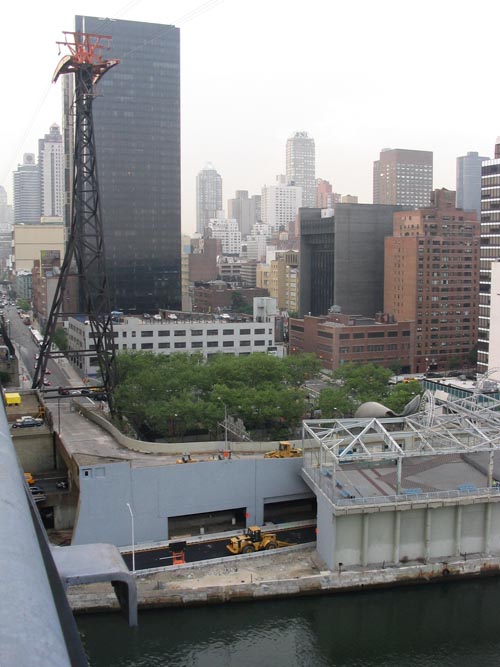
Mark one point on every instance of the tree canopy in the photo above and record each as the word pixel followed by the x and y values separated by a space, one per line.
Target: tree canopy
pixel 165 396
pixel 355 384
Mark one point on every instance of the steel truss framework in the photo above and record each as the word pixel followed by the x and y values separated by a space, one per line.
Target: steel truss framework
pixel 84 259
pixel 459 426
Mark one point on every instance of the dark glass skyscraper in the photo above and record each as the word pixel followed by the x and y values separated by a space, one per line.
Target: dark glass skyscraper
pixel 137 133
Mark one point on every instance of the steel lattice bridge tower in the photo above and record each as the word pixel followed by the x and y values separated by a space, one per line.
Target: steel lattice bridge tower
pixel 84 260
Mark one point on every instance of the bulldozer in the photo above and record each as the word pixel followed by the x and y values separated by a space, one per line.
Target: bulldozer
pixel 253 540
pixel 284 451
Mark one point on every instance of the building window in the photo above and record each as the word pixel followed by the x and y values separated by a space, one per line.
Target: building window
pixel 197 332
pixel 197 343
pixel 180 345
pixel 260 342
pixel 344 336
pixel 245 343
pixel 124 334
pixel 212 332
pixel 162 346
pixel 244 332
pixel 162 332
pixel 146 346
pixel 146 334
pixel 228 343
pixel 179 332
pixel 228 332
pixel 212 343
pixel 260 331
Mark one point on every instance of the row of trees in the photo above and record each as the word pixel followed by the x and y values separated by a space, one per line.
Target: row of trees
pixel 165 396
pixel 170 396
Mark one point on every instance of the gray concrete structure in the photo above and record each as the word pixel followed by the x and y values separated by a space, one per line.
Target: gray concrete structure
pixel 439 502
pixel 342 258
pixel 158 493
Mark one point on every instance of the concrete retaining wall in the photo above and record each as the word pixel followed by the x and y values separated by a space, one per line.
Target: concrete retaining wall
pixel 157 593
pixel 174 448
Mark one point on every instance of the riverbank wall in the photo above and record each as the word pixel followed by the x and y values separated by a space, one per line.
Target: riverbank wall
pixel 264 576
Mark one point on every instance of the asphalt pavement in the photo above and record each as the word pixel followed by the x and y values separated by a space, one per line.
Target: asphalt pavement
pixel 206 550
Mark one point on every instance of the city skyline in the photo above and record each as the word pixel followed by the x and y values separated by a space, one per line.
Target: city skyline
pixel 238 111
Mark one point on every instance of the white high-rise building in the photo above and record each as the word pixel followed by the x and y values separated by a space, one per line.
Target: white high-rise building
pixel 208 196
pixel 301 166
pixel 227 232
pixel 27 192
pixel 51 170
pixel 490 254
pixel 280 204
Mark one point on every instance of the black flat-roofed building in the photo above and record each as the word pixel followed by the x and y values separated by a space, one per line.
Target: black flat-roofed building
pixel 137 134
pixel 342 258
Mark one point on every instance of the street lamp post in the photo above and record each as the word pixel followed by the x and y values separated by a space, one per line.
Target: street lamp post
pixel 133 537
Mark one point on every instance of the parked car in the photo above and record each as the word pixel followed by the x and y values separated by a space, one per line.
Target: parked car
pixel 27 422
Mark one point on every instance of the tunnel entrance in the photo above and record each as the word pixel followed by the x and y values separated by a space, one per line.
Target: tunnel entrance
pixel 290 510
pixel 206 523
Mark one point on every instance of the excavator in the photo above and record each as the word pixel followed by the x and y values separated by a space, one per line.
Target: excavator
pixel 254 540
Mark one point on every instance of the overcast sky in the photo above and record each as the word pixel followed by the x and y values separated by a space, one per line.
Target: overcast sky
pixel 358 76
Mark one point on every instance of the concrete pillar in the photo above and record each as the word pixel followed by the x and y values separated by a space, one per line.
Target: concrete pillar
pixel 490 468
pixel 458 530
pixel 397 536
pixel 487 528
pixel 398 475
pixel 427 537
pixel 365 527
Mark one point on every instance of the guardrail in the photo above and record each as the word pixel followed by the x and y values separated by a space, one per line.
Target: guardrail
pixel 323 479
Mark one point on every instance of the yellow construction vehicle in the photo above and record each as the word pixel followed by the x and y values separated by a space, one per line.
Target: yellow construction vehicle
pixel 253 540
pixel 284 451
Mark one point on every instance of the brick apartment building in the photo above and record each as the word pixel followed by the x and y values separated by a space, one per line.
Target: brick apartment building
pixel 432 278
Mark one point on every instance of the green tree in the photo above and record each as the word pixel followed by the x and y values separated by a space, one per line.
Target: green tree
pixel 61 339
pixel 23 304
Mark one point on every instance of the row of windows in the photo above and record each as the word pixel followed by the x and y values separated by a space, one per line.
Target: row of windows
pixel 181 345
pixel 369 348
pixel 370 334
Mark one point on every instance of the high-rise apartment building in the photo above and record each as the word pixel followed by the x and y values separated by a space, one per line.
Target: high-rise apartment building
pixel 469 182
pixel 245 210
pixel 280 204
pixel 432 278
pixel 301 166
pixel 325 197
pixel 51 171
pixel 490 251
pixel 228 233
pixel 6 212
pixel 208 196
pixel 403 177
pixel 27 192
pixel 137 135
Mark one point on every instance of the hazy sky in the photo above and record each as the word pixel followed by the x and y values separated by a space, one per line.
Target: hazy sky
pixel 358 76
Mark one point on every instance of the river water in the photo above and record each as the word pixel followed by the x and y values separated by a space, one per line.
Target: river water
pixel 439 625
